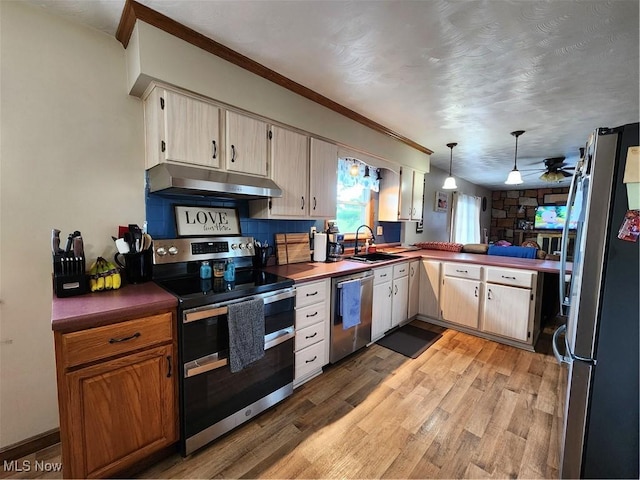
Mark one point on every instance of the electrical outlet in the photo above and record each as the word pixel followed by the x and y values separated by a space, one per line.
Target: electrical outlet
pixel 379 230
pixel 313 232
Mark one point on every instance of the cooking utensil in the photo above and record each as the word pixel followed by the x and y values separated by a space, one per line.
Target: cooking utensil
pixel 146 241
pixel 122 246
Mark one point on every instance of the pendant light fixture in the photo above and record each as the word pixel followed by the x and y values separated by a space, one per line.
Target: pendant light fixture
pixel 450 182
pixel 514 177
pixel 354 171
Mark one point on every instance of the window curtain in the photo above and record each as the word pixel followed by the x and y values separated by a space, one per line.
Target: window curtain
pixel 466 219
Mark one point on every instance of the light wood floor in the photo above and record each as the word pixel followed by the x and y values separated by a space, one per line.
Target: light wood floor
pixel 466 408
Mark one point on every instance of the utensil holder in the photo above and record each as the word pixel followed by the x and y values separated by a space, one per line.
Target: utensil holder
pixel 69 276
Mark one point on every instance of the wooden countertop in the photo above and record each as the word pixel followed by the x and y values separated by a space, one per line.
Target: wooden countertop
pixel 305 272
pixel 103 308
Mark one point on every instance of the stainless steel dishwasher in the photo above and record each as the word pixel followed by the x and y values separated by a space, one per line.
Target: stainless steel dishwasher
pixel 346 341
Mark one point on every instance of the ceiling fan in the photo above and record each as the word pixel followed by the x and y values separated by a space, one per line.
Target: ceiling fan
pixel 555 170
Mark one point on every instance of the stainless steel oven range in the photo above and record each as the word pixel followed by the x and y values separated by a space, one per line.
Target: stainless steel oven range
pixel 213 400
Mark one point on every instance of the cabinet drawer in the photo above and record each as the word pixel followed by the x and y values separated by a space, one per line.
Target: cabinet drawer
pixel 308 293
pixel 309 335
pixel 463 270
pixel 310 315
pixel 516 278
pixel 400 270
pixel 381 275
pixel 309 359
pixel 103 342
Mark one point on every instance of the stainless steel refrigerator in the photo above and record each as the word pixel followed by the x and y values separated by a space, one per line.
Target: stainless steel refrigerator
pixel 600 302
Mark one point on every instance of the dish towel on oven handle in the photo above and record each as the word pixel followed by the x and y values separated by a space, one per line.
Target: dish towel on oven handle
pixel 350 303
pixel 246 333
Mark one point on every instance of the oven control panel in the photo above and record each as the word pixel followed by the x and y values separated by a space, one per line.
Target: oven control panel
pixel 177 250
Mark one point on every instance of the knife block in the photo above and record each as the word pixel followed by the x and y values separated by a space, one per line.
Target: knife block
pixel 69 277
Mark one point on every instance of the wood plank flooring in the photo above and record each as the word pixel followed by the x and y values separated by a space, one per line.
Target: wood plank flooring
pixel 466 408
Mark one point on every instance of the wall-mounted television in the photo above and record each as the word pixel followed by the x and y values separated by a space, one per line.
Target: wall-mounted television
pixel 552 217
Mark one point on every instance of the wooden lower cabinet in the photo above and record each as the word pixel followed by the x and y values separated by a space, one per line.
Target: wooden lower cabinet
pixel 117 411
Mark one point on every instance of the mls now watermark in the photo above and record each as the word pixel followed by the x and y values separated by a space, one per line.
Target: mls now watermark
pixel 31 466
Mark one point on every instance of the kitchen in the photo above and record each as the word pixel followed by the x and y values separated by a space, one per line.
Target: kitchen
pixel 98 164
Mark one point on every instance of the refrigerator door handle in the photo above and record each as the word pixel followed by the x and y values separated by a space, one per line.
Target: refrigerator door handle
pixel 564 301
pixel 554 344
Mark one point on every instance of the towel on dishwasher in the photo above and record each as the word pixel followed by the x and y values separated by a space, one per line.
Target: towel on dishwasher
pixel 246 333
pixel 350 303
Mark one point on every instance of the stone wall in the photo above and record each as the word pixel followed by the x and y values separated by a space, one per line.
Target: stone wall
pixel 511 206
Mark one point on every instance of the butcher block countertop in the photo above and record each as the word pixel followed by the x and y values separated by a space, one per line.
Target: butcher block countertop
pixel 304 272
pixel 103 308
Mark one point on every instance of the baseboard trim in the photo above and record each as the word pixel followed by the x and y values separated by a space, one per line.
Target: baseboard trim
pixel 30 445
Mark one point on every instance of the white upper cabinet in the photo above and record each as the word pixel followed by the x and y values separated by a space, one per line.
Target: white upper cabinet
pixel 323 179
pixel 181 128
pixel 290 160
pixel 401 195
pixel 246 144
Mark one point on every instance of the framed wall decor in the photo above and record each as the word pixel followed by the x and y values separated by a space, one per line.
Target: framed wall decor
pixel 442 202
pixel 196 220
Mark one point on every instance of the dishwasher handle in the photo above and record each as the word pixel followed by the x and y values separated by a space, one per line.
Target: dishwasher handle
pixel 365 278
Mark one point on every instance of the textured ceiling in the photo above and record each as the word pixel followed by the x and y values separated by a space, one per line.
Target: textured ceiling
pixel 438 71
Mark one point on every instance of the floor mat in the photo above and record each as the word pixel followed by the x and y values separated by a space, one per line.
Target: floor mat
pixel 410 341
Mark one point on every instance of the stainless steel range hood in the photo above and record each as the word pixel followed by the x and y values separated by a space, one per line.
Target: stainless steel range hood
pixel 173 179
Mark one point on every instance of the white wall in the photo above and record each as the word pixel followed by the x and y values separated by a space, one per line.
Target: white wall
pixel 155 54
pixel 71 157
pixel 437 224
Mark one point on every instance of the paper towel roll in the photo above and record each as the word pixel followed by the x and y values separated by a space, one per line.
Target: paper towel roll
pixel 320 247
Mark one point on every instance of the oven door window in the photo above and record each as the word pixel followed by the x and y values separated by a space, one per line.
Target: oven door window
pixel 209 391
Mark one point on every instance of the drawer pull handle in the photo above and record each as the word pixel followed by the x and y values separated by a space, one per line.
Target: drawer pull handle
pixel 169 365
pixel 382 276
pixel 311 336
pixel 312 314
pixel 312 294
pixel 510 278
pixel 462 271
pixel 125 339
pixel 312 360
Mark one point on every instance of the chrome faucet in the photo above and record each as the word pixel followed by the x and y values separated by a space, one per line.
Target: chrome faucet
pixel 356 249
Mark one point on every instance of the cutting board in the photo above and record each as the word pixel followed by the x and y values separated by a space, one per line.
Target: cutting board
pixel 292 248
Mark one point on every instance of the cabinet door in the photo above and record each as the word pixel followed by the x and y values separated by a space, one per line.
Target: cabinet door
pixel 429 289
pixel 246 144
pixel 400 300
pixel 507 311
pixel 417 196
pixel 290 161
pixel 406 194
pixel 381 310
pixel 323 179
pixel 414 288
pixel 192 130
pixel 459 302
pixel 124 409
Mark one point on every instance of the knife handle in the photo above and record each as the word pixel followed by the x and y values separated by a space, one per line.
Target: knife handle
pixel 78 247
pixel 55 241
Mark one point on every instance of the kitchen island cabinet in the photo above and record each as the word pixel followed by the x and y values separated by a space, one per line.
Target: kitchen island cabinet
pixel 510 303
pixel 460 300
pixel 117 388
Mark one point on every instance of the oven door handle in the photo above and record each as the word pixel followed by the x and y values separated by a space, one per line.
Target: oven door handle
pixel 215 361
pixel 221 308
pixel 276 338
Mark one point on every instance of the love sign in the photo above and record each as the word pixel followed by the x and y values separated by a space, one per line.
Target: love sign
pixel 206 221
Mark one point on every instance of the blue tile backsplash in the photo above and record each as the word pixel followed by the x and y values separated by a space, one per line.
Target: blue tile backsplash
pixel 161 222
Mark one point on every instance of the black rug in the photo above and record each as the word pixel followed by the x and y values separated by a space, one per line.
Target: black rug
pixel 410 341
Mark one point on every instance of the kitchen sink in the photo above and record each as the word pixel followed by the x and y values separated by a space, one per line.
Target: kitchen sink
pixel 374 257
